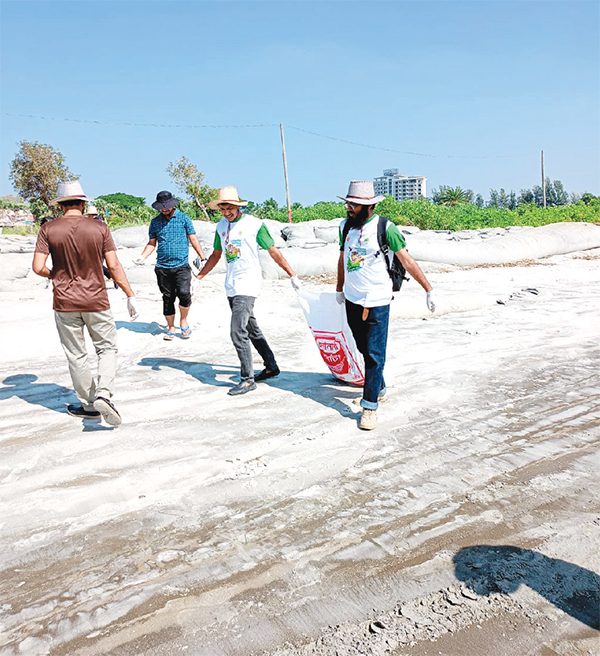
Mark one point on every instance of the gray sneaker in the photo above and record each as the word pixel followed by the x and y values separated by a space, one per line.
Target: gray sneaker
pixel 242 388
pixel 108 411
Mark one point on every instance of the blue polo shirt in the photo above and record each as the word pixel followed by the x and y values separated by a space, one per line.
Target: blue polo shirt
pixel 172 245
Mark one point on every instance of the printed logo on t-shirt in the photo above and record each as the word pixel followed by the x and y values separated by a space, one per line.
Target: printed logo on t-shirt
pixel 356 258
pixel 233 251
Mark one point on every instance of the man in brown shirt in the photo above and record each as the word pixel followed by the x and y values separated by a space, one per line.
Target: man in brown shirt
pixel 77 246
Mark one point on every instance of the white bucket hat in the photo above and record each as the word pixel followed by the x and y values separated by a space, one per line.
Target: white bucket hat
pixel 91 209
pixel 227 196
pixel 70 190
pixel 361 192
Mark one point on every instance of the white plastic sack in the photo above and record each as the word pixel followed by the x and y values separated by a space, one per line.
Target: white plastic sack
pixel 328 324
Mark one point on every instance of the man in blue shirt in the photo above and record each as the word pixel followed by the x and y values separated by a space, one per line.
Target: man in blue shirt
pixel 171 233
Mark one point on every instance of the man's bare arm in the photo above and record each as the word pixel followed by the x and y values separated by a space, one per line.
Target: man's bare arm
pixel 278 258
pixel 211 263
pixel 413 268
pixel 39 265
pixel 117 272
pixel 340 273
pixel 197 246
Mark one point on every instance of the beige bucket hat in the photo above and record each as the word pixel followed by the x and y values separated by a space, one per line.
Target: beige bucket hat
pixel 227 196
pixel 70 190
pixel 362 192
pixel 91 209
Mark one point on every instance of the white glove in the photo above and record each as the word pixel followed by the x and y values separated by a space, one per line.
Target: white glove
pixel 430 302
pixel 195 287
pixel 138 261
pixel 340 298
pixel 133 313
pixel 199 263
pixel 296 284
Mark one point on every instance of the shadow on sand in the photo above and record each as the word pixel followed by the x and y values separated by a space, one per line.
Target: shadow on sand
pixel 488 569
pixel 152 328
pixel 321 388
pixel 48 395
pixel 202 372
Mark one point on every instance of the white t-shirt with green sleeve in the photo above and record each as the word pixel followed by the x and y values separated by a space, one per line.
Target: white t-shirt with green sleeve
pixel 240 241
pixel 366 278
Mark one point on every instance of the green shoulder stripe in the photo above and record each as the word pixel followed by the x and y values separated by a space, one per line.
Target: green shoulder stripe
pixel 217 242
pixel 395 238
pixel 264 238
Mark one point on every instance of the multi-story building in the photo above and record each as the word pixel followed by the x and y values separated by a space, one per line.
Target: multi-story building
pixel 401 187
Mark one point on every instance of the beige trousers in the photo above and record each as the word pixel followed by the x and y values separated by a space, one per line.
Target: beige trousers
pixel 103 332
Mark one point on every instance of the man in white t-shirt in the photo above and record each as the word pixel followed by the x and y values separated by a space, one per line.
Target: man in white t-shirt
pixel 240 236
pixel 364 284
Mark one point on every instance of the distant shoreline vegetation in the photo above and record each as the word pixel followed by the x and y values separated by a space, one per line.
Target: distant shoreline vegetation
pixel 422 213
pixel 37 167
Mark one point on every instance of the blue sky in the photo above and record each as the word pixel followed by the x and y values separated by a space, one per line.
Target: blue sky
pixel 477 88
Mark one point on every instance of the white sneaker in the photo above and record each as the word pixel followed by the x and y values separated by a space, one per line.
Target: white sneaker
pixel 108 411
pixel 368 420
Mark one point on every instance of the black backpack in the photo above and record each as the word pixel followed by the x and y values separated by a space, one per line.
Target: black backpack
pixel 394 266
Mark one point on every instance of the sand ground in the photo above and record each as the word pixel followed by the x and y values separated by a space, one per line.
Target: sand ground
pixel 467 523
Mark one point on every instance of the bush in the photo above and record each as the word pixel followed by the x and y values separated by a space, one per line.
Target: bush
pixel 119 217
pixel 22 230
pixel 6 204
pixel 427 216
pixel 421 213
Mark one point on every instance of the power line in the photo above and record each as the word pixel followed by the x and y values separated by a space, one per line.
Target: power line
pixel 402 152
pixel 260 125
pixel 140 125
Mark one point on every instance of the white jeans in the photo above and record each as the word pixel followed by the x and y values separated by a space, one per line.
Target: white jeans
pixel 103 332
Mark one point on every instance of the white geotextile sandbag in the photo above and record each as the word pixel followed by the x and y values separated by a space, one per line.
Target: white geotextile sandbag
pixel 205 231
pixel 524 244
pixel 131 237
pixel 327 322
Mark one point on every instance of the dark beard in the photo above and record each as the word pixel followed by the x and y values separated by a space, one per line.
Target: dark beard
pixel 361 217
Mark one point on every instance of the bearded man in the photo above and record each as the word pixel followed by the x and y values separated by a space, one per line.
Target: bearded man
pixel 365 286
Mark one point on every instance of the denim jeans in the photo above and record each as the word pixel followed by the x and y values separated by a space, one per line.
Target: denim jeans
pixel 370 336
pixel 245 330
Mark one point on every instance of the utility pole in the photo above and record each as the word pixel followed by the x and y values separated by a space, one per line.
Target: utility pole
pixel 287 186
pixel 543 180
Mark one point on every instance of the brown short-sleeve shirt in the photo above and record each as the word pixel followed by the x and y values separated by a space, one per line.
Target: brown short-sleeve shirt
pixel 77 246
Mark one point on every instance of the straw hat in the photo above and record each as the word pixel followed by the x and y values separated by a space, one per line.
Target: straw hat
pixel 227 196
pixel 165 201
pixel 361 192
pixel 70 190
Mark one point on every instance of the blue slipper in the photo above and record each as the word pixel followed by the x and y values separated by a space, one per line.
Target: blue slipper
pixel 169 336
pixel 186 332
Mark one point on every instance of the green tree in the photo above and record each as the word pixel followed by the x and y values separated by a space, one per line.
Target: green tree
pixel 559 195
pixel 190 181
pixel 556 196
pixel 267 210
pixel 502 200
pixel 451 196
pixel 35 172
pixel 526 197
pixel 124 201
pixel 589 199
